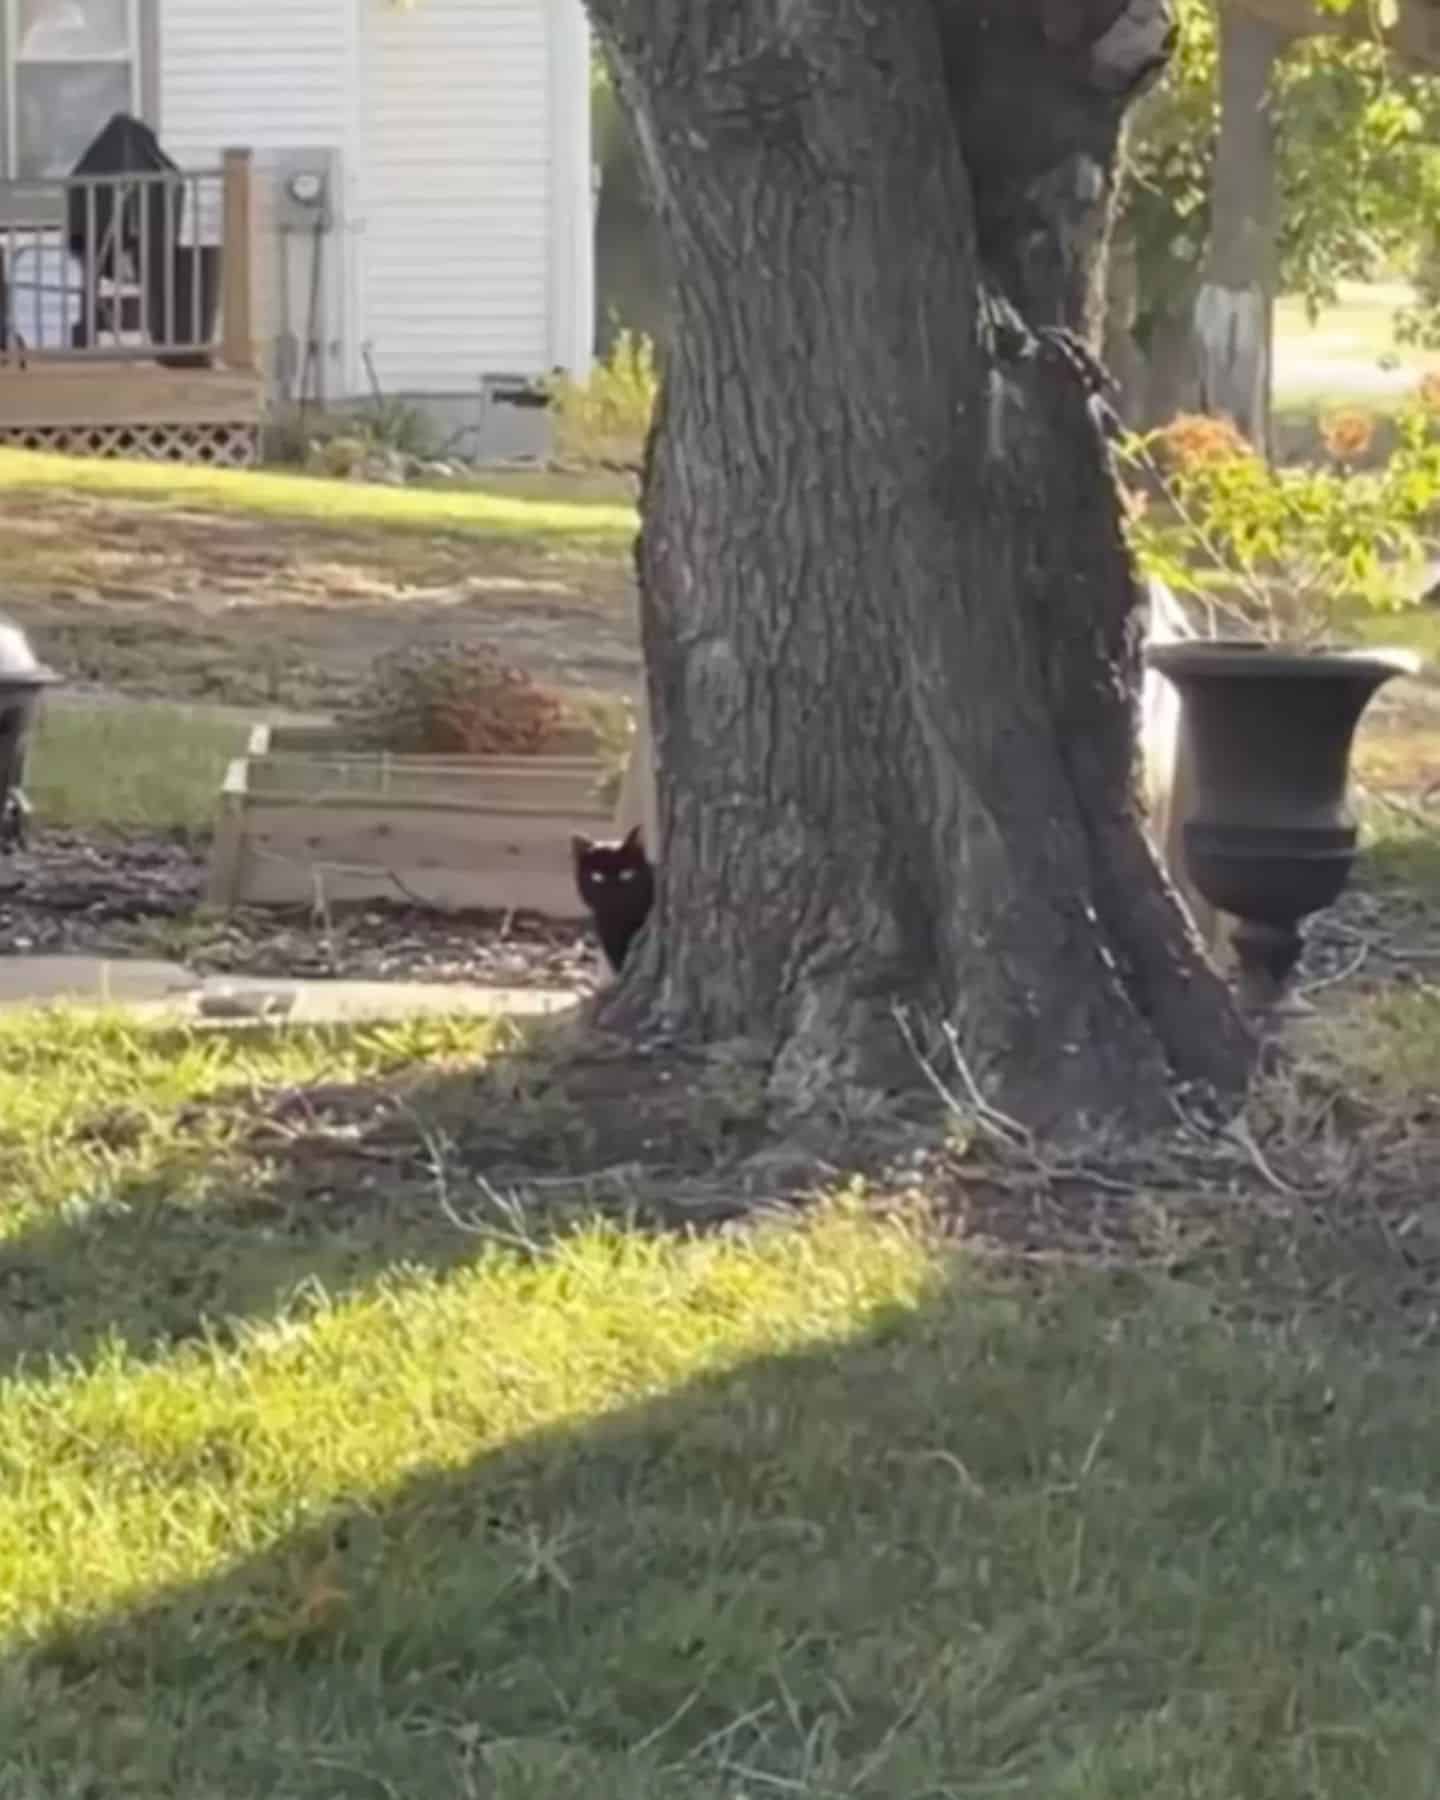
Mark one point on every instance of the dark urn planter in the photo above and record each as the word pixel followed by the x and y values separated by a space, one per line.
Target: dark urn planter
pixel 1268 838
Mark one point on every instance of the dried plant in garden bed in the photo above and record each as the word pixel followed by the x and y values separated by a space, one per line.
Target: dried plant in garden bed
pixel 452 698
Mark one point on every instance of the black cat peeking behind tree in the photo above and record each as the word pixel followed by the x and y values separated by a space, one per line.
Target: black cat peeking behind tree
pixel 618 885
pixel 891 629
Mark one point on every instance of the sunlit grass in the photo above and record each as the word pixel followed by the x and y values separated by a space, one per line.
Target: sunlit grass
pixel 820 1508
pixel 90 1101
pixel 1417 629
pixel 335 1400
pixel 499 512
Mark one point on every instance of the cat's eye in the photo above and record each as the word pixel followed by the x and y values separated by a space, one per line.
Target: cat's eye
pixel 627 875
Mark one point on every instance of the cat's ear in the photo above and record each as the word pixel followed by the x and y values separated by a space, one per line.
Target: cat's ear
pixel 581 846
pixel 633 839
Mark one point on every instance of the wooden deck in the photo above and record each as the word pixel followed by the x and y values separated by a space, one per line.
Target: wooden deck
pixel 115 355
pixel 139 410
pixel 57 395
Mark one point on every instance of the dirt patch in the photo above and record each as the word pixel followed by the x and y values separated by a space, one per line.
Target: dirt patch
pixel 197 606
pixel 1318 1199
pixel 137 896
pixel 566 1127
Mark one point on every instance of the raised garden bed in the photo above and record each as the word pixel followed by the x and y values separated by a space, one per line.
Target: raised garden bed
pixel 306 817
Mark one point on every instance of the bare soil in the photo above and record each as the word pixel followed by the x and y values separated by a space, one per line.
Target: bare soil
pixel 137 894
pixel 271 612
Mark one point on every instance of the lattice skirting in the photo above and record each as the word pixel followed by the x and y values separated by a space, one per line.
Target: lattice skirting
pixel 219 446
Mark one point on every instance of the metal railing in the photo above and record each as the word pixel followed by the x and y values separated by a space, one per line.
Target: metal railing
pixel 128 268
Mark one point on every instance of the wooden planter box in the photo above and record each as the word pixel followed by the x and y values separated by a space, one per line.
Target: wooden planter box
pixel 306 818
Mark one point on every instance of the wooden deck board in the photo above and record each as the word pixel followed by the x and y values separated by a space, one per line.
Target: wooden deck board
pixel 58 394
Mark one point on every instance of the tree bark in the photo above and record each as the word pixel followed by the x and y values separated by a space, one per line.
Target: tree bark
pixel 890 628
pixel 1235 307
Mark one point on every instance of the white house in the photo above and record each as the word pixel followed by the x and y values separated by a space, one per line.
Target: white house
pixel 423 219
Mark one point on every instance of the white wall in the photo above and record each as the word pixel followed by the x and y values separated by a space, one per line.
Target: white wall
pixel 272 76
pixel 464 239
pixel 456 186
pixel 262 73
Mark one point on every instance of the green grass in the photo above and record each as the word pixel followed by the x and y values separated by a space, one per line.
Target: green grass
pixel 525 513
pixel 1417 628
pixel 133 764
pixel 1350 342
pixel 307 1493
pixel 1402 852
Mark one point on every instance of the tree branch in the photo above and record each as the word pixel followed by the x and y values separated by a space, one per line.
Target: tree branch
pixel 1415 39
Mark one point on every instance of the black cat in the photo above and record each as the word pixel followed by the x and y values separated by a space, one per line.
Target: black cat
pixel 617 882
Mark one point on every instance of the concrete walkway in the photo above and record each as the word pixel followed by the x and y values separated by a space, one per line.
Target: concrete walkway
pixel 161 991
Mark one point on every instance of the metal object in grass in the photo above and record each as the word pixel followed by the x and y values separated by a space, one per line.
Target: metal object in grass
pixel 23 680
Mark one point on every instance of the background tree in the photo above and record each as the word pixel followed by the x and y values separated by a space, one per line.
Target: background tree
pixel 1336 176
pixel 890 626
pixel 629 281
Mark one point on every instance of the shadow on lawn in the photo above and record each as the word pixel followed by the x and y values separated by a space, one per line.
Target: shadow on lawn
pixel 326 1187
pixel 1070 1543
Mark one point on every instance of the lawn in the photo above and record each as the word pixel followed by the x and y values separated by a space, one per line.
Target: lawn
pixel 265 589
pixel 347 1458
pixel 523 507
pixel 130 764
pixel 1349 354
pixel 275 589
pixel 437 1412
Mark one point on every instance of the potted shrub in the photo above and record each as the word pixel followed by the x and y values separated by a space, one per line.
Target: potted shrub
pixel 1274 564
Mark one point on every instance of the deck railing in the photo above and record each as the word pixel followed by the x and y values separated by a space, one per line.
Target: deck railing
pixel 129 268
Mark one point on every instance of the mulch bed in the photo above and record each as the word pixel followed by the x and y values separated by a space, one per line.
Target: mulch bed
pixel 136 895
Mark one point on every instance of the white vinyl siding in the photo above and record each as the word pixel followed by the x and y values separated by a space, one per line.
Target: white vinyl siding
pixel 259 73
pixel 455 193
pixel 451 258
pixel 271 76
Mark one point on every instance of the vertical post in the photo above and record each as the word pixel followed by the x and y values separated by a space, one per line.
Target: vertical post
pixel 237 343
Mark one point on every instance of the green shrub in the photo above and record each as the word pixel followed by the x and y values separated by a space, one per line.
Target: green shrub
pixel 1283 553
pixel 340 442
pixel 604 421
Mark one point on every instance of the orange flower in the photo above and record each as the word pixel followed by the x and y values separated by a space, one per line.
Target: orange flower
pixel 1192 438
pixel 1347 435
pixel 1430 391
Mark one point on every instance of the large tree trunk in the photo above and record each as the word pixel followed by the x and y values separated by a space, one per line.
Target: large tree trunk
pixel 889 623
pixel 1235 308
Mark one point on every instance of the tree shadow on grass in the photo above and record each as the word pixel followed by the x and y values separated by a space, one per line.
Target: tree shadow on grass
pixel 1062 1545
pixel 321 1189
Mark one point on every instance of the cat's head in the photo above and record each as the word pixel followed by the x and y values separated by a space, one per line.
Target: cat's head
pixel 613 871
